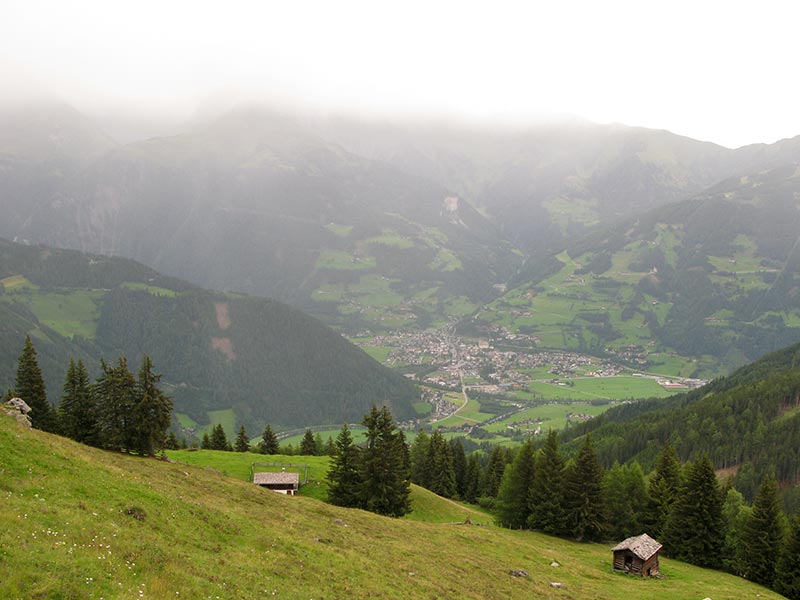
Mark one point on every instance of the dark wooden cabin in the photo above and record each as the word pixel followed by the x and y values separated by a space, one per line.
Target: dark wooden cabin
pixel 637 555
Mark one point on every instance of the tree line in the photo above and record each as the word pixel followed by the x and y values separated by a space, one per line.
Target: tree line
pixel 682 505
pixel 119 411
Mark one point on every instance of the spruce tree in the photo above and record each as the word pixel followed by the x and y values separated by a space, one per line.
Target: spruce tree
pixel 77 412
pixel 308 446
pixel 30 387
pixel 344 477
pixel 269 442
pixel 441 475
pixel 420 459
pixel 114 395
pixel 787 573
pixel 694 531
pixel 152 411
pixel 625 493
pixel 172 443
pixel 242 442
pixel 763 535
pixel 512 506
pixel 459 466
pixel 546 499
pixel 662 491
pixel 583 495
pixel 218 439
pixel 384 487
pixel 498 459
pixel 205 443
pixel 473 478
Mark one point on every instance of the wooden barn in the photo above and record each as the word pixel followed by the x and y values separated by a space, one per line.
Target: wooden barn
pixel 638 555
pixel 283 482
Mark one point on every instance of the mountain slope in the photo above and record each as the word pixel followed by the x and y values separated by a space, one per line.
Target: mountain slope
pixel 747 423
pixel 263 359
pixel 79 522
pixel 714 279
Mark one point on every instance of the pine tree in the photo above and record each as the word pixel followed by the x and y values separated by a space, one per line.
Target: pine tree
pixel 662 491
pixel 152 411
pixel 546 499
pixel 583 493
pixel 171 443
pixel 459 466
pixel 344 477
pixel 625 493
pixel 694 530
pixel 763 534
pixel 319 445
pixel 218 440
pixel 787 573
pixel 420 464
pixel 77 412
pixel 330 447
pixel 498 459
pixel 30 388
pixel 441 475
pixel 512 506
pixel 205 443
pixel 384 485
pixel 472 484
pixel 242 441
pixel 269 442
pixel 307 446
pixel 114 395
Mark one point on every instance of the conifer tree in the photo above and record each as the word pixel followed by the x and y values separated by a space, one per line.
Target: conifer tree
pixel 330 447
pixel 171 443
pixel 319 444
pixel 763 534
pixel 30 387
pixel 152 411
pixel 344 478
pixel 384 485
pixel 512 506
pixel 114 395
pixel 472 484
pixel 269 442
pixel 218 440
pixel 787 573
pixel 694 530
pixel 420 465
pixel 625 492
pixel 441 475
pixel 498 459
pixel 662 491
pixel 459 466
pixel 77 412
pixel 583 495
pixel 242 441
pixel 546 497
pixel 205 443
pixel 307 446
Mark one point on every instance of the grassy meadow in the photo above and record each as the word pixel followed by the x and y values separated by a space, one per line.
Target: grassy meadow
pixel 77 522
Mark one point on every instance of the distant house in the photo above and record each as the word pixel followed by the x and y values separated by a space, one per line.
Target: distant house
pixel 638 555
pixel 283 482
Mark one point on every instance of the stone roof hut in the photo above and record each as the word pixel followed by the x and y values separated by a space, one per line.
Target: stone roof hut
pixel 638 555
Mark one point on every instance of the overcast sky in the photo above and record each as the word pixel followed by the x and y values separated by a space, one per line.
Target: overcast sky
pixel 724 71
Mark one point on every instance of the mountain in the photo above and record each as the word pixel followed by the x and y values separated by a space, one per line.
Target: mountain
pixel 699 286
pixel 747 423
pixel 79 522
pixel 257 202
pixel 223 356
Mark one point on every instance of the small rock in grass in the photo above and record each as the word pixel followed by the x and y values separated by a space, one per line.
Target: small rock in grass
pixel 518 573
pixel 556 584
pixel 554 564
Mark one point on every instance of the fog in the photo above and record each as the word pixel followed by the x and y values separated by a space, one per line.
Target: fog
pixel 719 71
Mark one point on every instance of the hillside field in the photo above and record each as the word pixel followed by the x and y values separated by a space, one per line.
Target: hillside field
pixel 77 522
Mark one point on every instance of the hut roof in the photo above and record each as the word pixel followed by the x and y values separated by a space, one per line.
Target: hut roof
pixel 642 546
pixel 284 477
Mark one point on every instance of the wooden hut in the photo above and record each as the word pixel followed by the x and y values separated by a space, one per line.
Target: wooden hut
pixel 638 555
pixel 283 482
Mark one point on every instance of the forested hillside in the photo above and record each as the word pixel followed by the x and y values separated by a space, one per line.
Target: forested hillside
pixel 747 423
pixel 264 360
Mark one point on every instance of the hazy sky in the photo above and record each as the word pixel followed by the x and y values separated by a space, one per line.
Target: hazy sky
pixel 725 71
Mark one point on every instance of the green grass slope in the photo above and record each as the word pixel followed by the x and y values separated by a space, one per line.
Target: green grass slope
pixel 76 522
